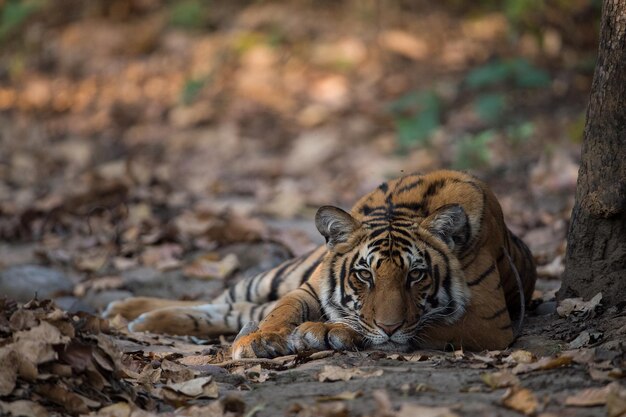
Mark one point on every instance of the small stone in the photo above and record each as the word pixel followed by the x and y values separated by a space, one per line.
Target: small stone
pixel 23 282
pixel 543 309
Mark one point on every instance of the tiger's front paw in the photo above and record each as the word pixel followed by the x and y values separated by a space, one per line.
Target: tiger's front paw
pixel 323 336
pixel 261 344
pixel 171 321
pixel 131 308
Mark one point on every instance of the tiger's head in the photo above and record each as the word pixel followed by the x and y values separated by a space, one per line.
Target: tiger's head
pixel 388 278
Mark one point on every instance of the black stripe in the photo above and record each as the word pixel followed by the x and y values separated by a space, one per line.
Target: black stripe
pixel 304 310
pixel 326 338
pixel 414 206
pixel 497 313
pixel 277 279
pixel 262 312
pixel 383 187
pixel 249 287
pixel 342 279
pixel 309 271
pixel 433 188
pixel 403 241
pixel 410 186
pixel 196 325
pixel 312 291
pixel 231 293
pixel 239 321
pixel 482 276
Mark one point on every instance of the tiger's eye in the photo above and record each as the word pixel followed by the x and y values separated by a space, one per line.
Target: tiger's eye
pixel 416 275
pixel 364 274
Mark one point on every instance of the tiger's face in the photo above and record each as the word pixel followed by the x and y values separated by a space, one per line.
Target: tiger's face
pixel 389 281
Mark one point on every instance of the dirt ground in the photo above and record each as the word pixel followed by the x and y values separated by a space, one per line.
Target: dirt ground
pixel 154 149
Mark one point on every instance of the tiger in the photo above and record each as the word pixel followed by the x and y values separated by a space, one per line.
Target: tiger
pixel 425 261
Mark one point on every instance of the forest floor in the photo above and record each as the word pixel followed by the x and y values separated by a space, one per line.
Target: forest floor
pixel 143 155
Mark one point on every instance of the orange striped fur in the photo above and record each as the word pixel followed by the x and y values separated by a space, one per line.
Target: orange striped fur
pixel 422 261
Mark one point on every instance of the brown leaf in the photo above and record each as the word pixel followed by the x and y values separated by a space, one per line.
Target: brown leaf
pixel 257 374
pixel 519 356
pixel 520 399
pixel 332 409
pixel 543 364
pixel 9 363
pixel 500 379
pixel 342 396
pixel 592 396
pixel 23 408
pixel 203 387
pixel 405 44
pixel 115 410
pixel 175 372
pixel 74 403
pixel 98 284
pixel 411 410
pixel 36 347
pixel 616 401
pixel 205 267
pixel 577 305
pixel 333 373
pixel 162 257
pixel 23 319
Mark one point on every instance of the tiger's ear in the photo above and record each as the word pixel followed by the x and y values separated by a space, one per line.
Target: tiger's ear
pixel 335 225
pixel 450 224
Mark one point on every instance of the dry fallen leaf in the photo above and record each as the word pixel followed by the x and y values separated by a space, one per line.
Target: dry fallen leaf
pixel 23 408
pixel 577 305
pixel 342 396
pixel 206 267
pixel 165 256
pixel 332 409
pixel 412 410
pixel 616 401
pixel 120 409
pixel 333 373
pixel 519 356
pixel 9 362
pixel 203 387
pixel 592 396
pixel 520 399
pixel 543 364
pixel 500 379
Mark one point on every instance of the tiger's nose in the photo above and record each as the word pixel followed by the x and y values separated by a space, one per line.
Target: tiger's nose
pixel 389 328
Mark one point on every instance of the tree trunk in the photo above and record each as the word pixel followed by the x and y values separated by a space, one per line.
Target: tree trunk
pixel 596 241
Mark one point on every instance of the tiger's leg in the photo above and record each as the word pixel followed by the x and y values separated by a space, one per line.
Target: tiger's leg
pixel 293 325
pixel 133 307
pixel 259 289
pixel 205 320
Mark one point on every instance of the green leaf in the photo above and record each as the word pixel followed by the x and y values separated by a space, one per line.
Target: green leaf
pixel 490 106
pixel 473 151
pixel 521 132
pixel 528 76
pixel 488 75
pixel 416 116
pixel 15 12
pixel 191 89
pixel 188 14
pixel 519 70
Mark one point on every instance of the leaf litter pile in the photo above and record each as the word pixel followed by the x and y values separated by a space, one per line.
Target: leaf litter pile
pixel 54 362
pixel 146 154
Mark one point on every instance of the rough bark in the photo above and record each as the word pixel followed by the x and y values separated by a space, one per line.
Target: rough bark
pixel 596 241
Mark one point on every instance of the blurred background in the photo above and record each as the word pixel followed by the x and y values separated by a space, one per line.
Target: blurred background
pixel 156 147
